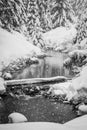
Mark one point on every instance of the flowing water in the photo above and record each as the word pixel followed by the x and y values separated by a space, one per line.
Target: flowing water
pixel 50 66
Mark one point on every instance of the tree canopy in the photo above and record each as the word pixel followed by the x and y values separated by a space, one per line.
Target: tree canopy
pixel 35 17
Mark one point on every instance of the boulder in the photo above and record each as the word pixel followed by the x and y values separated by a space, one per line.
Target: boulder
pixel 16 117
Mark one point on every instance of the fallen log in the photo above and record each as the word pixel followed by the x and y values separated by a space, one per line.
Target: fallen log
pixel 56 79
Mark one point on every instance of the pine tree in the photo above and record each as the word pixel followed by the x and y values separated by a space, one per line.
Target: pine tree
pixel 61 12
pixel 80 8
pixel 12 14
pixel 45 14
pixel 33 22
pixel 82 27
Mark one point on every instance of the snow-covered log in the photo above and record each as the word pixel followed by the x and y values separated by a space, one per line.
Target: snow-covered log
pixel 57 79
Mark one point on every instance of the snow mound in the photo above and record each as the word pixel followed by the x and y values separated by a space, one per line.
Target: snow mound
pixel 16 117
pixel 14 45
pixel 65 88
pixel 59 36
pixel 81 81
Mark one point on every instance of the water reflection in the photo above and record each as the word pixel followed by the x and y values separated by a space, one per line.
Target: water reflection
pixel 48 67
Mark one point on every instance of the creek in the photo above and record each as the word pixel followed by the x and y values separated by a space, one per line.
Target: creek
pixel 38 108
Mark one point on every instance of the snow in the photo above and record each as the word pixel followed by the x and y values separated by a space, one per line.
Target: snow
pixel 83 108
pixel 36 126
pixel 14 45
pixel 65 88
pixel 78 123
pixel 2 86
pixel 16 117
pixel 78 53
pixel 80 81
pixel 70 88
pixel 60 36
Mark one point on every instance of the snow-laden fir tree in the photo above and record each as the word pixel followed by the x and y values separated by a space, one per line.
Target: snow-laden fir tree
pixel 61 12
pixel 12 14
pixel 45 14
pixel 80 8
pixel 33 22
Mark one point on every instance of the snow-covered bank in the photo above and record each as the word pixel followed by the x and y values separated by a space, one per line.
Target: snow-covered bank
pixel 60 38
pixel 14 46
pixel 78 123
pixel 74 90
pixel 35 126
pixel 62 89
pixel 81 81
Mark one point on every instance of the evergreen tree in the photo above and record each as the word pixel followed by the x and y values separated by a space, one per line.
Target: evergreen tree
pixel 33 22
pixel 12 14
pixel 36 16
pixel 45 14
pixel 80 8
pixel 61 12
pixel 82 27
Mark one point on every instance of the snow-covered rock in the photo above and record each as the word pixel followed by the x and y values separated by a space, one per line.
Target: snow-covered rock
pixel 7 76
pixel 76 58
pixel 14 45
pixel 78 54
pixel 2 86
pixel 16 117
pixel 59 38
pixel 83 108
pixel 65 88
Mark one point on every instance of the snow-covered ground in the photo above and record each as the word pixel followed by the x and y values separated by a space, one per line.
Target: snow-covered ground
pixel 76 124
pixel 60 37
pixel 14 45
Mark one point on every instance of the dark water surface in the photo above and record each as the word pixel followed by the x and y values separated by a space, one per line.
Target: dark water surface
pixel 50 66
pixel 38 109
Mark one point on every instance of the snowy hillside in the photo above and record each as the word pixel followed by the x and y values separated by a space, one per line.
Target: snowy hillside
pixel 13 46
